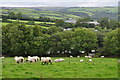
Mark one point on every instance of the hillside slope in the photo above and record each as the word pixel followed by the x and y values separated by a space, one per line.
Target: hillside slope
pixel 66 12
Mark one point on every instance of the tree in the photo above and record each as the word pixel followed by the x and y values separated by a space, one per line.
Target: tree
pixel 19 15
pixel 59 23
pixel 111 43
pixel 113 24
pixel 84 39
pixel 104 23
pixel 11 15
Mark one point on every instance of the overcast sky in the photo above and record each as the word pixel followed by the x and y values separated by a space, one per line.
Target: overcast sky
pixel 59 3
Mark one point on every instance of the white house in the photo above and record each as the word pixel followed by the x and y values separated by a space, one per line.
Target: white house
pixel 92 22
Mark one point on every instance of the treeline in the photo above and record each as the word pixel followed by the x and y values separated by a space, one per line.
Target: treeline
pixel 104 23
pixel 17 39
pixel 20 16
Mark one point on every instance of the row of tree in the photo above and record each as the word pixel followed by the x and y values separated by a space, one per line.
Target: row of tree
pixel 18 39
pixel 20 16
pixel 82 22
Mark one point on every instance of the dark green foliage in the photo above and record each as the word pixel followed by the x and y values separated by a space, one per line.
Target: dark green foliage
pixel 31 23
pixel 111 43
pixel 19 39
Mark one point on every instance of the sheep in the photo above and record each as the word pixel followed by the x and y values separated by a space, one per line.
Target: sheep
pixel 19 59
pixel 86 57
pixel 89 56
pixel 119 61
pixel 78 56
pixel 59 60
pixel 46 60
pixel 102 56
pixel 81 60
pixel 2 57
pixel 71 56
pixel 31 59
pixel 36 58
pixel 90 60
pixel 62 59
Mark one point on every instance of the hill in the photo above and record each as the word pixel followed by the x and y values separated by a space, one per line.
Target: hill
pixel 65 12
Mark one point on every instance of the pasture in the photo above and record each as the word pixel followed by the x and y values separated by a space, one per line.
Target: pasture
pixel 70 68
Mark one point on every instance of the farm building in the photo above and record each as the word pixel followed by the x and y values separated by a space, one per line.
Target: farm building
pixel 92 22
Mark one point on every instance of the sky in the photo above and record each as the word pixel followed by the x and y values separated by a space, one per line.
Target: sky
pixel 58 3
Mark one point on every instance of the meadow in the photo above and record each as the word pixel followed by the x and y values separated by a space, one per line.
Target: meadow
pixel 70 68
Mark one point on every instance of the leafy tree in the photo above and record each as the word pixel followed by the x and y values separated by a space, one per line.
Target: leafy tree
pixel 111 43
pixel 31 22
pixel 113 24
pixel 54 29
pixel 84 39
pixel 11 15
pixel 104 23
pixel 19 15
pixel 59 23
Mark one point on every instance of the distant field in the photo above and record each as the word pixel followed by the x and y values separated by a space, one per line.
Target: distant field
pixel 70 68
pixel 4 23
pixel 36 22
pixel 64 13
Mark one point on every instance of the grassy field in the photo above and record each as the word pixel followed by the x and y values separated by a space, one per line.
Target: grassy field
pixel 64 13
pixel 70 68
pixel 24 21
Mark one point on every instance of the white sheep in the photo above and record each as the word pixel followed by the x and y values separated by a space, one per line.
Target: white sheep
pixel 46 60
pixel 2 57
pixel 62 59
pixel 59 60
pixel 89 56
pixel 81 60
pixel 86 57
pixel 71 56
pixel 19 59
pixel 90 60
pixel 78 56
pixel 36 58
pixel 119 61
pixel 102 56
pixel 31 59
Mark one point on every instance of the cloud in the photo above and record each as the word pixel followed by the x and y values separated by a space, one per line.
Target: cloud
pixel 91 4
pixel 60 0
pixel 16 5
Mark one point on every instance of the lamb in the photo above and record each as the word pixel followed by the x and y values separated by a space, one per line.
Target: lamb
pixel 81 60
pixel 19 59
pixel 90 60
pixel 46 60
pixel 102 56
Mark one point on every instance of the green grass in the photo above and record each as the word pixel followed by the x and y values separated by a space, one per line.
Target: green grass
pixel 70 68
pixel 0 68
pixel 63 13
pixel 4 23
pixel 36 22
